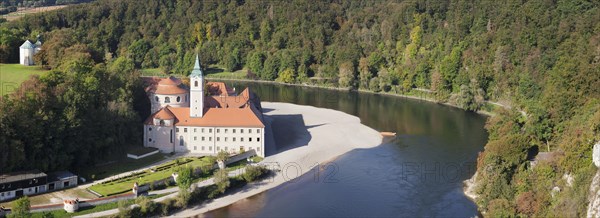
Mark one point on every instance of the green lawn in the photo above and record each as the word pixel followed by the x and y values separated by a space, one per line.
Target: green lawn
pixel 12 75
pixel 120 165
pixel 161 172
pixel 215 71
pixel 92 209
pixel 83 211
pixel 152 72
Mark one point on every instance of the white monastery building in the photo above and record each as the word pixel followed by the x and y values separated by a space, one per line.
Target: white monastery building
pixel 26 52
pixel 204 118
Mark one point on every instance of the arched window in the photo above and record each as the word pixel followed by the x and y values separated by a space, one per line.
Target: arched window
pixel 162 122
pixel 150 139
pixel 167 100
pixel 178 99
pixel 196 83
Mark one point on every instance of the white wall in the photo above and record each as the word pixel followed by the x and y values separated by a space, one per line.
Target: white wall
pixel 216 139
pixel 31 191
pixel 196 96
pixel 160 136
pixel 26 56
pixel 7 195
pixel 157 105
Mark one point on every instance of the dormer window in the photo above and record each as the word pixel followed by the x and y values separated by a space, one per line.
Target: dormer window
pixel 162 122
pixel 167 100
pixel 178 99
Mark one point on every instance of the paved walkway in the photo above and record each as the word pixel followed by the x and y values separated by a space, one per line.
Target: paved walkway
pixel 87 185
pixel 175 191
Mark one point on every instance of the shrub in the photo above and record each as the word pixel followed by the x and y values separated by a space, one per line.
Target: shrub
pixel 221 179
pixel 500 208
pixel 147 206
pixel 20 208
pixel 527 204
pixel 124 210
pixel 167 206
pixel 253 172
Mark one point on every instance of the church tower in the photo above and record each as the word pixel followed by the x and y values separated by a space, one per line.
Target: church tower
pixel 196 90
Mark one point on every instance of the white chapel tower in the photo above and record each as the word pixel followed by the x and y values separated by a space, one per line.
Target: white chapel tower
pixel 196 90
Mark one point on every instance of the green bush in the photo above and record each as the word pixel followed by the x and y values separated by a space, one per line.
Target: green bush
pixel 221 179
pixel 253 172
pixel 147 206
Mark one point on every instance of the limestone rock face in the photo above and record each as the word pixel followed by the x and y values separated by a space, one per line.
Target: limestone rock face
pixel 594 206
pixel 596 154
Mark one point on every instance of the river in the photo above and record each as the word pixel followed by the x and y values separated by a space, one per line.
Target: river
pixel 420 173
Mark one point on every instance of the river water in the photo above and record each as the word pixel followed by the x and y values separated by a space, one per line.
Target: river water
pixel 420 173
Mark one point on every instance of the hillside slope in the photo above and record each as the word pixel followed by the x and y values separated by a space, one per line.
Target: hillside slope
pixel 540 56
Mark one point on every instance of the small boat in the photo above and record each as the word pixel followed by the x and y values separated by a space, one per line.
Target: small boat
pixel 388 134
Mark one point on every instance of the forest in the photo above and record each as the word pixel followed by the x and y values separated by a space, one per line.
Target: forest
pixel 540 58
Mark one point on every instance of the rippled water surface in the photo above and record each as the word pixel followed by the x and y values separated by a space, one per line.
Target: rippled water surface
pixel 418 174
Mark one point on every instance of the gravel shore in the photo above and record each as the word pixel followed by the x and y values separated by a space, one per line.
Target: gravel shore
pixel 298 139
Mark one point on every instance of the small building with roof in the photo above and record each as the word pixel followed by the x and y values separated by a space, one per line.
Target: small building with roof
pixel 17 184
pixel 186 119
pixel 61 180
pixel 27 51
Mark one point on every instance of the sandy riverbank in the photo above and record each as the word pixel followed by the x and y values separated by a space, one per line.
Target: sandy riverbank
pixel 304 136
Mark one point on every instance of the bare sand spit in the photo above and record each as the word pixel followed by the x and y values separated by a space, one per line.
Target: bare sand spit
pixel 304 136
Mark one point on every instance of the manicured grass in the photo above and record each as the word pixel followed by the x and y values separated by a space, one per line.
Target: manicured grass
pixel 215 71
pixel 83 211
pixel 92 209
pixel 12 75
pixel 152 72
pixel 122 164
pixel 161 172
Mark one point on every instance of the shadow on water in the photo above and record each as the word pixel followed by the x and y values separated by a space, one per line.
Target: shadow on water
pixel 418 174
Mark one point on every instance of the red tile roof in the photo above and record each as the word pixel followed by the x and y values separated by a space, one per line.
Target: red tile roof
pixel 219 88
pixel 166 86
pixel 218 117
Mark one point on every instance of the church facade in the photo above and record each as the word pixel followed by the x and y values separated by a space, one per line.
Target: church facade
pixel 204 118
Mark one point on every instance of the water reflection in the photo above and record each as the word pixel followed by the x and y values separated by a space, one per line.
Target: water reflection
pixel 419 174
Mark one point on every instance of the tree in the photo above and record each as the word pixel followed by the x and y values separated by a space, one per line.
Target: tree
pixel 124 209
pixel 253 172
pixel 271 68
pixel 122 65
pixel 364 73
pixel 185 177
pixel 255 62
pixel 286 76
pixel 222 157
pixel 147 206
pixel 20 208
pixel 138 50
pixel 265 31
pixel 347 75
pixel 465 98
pixel 500 208
pixel 302 74
pixel 221 178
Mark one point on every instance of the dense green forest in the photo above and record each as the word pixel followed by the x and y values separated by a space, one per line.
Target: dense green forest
pixel 539 57
pixel 37 3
